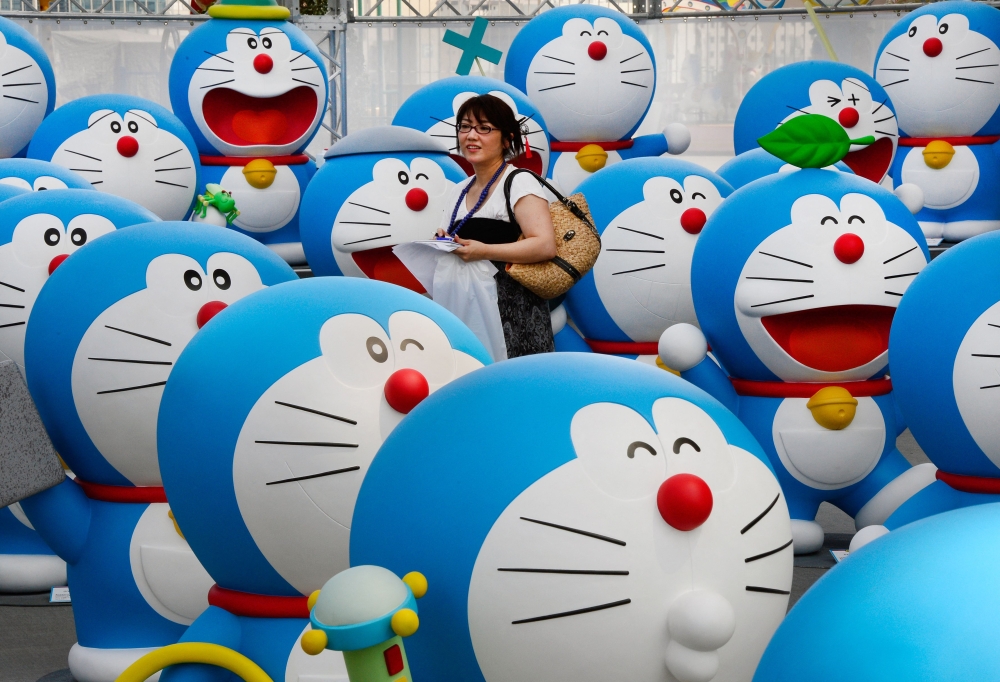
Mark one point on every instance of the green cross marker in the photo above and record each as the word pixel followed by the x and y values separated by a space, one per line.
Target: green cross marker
pixel 472 47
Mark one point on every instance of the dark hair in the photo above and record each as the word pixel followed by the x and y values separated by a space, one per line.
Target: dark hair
pixel 496 112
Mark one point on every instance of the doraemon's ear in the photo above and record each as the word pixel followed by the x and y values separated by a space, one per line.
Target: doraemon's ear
pixel 911 195
pixel 460 99
pixel 98 115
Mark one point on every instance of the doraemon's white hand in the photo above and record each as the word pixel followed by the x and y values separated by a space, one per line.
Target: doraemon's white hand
pixel 911 195
pixel 682 346
pixel 678 138
pixel 700 622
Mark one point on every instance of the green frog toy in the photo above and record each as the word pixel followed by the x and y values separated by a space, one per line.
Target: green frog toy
pixel 215 198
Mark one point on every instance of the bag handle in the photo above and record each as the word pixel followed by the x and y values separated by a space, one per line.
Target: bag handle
pixel 568 203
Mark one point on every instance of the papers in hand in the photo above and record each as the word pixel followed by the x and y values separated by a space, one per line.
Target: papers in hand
pixel 439 244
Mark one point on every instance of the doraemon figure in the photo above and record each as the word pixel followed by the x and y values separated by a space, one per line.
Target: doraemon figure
pixel 101 342
pixel 840 92
pixel 268 425
pixel 649 213
pixel 796 278
pixel 634 533
pixel 940 64
pixel 591 73
pixel 432 109
pixel 24 69
pixel 752 165
pixel 918 604
pixel 379 187
pixel 252 88
pixel 36 176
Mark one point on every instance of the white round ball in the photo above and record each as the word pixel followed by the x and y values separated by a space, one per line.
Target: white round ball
pixel 911 195
pixel 701 620
pixel 682 346
pixel 678 138
pixel 866 535
pixel 687 665
pixel 558 319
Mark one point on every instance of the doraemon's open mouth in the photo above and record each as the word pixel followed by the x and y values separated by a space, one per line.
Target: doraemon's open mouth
pixel 833 339
pixel 873 161
pixel 240 119
pixel 382 264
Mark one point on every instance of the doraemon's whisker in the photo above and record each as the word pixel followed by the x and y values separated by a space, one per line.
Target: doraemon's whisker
pixel 11 305
pixel 650 267
pixel 448 137
pixel 796 109
pixel 172 184
pixel 555 87
pixel 797 262
pixel 147 120
pixel 647 234
pixel 358 222
pixel 894 293
pixel 11 324
pixel 305 68
pixel 880 120
pixel 205 68
pixel 306 478
pixel 213 85
pixel 990 386
pixel 555 73
pixel 15 70
pixel 635 250
pixel 636 70
pixel 370 208
pixel 783 279
pixel 857 83
pixel 561 571
pixel 11 286
pixel 86 170
pixel 881 104
pixel 95 123
pixel 990 324
pixel 967 55
pixel 244 33
pixel 301 54
pixel 135 362
pixel 17 85
pixel 899 255
pixel 564 61
pixel 588 534
pixel 784 300
pixel 370 239
pixel 319 412
pixel 141 336
pixel 885 69
pixel 440 120
pixel 132 388
pixel 905 59
pixel 985 355
pixel 307 443
pixel 882 132
pixel 638 85
pixel 164 170
pixel 98 182
pixel 958 78
pixel 312 85
pixel 20 99
pixel 905 274
pixel 957 68
pixel 535 132
pixel 575 612
pixel 767 590
pixel 88 156
pixel 768 553
pixel 221 57
pixel 166 155
pixel 895 83
pixel 761 515
pixel 632 57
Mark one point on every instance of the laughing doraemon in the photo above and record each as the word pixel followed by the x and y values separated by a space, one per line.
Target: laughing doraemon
pixel 101 341
pixel 36 176
pixel 432 109
pixel 797 304
pixel 649 213
pixel 634 533
pixel 591 73
pixel 379 187
pixel 126 146
pixel 941 65
pixel 24 69
pixel 839 92
pixel 252 87
pixel 269 423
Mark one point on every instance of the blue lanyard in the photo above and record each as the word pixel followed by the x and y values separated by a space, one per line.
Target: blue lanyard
pixel 453 230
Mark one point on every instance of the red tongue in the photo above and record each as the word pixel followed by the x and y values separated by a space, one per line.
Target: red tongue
pixel 243 120
pixel 873 161
pixel 382 264
pixel 833 339
pixel 265 127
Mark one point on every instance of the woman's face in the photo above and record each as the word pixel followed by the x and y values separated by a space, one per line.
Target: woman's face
pixel 478 148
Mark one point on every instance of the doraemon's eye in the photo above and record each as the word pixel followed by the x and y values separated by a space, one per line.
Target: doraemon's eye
pixel 376 349
pixel 698 194
pixel 222 279
pixel 421 175
pixel 410 342
pixel 833 101
pixel 857 218
pixel 133 127
pixel 586 33
pixel 684 441
pixel 829 217
pixel 78 236
pixel 602 33
pixel 676 196
pixel 913 31
pixel 630 452
pixel 116 127
pixel 252 42
pixel 52 236
pixel 942 29
pixel 193 280
pixel 404 179
pixel 266 42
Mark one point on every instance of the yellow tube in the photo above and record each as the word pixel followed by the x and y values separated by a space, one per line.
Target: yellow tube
pixel 194 652
pixel 819 29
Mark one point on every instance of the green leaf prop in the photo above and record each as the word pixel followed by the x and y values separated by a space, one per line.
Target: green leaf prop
pixel 810 141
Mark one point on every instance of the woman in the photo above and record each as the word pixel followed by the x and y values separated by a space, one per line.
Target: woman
pixel 489 136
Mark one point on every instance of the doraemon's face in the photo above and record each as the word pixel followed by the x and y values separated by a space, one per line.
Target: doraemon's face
pixel 593 82
pixel 25 98
pixel 582 577
pixel 976 382
pixel 815 299
pixel 125 356
pixel 259 95
pixel 131 156
pixel 643 275
pixel 850 104
pixel 305 447
pixel 941 76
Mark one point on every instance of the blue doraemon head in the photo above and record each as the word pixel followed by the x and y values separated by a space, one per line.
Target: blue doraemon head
pixel 547 554
pixel 108 326
pixel 24 69
pixel 649 212
pixel 917 604
pixel 379 187
pixel 589 70
pixel 838 91
pixel 126 146
pixel 37 232
pixel 35 176
pixel 246 87
pixel 797 276
pixel 275 411
pixel 945 346
pixel 757 163
pixel 432 109
pixel 940 66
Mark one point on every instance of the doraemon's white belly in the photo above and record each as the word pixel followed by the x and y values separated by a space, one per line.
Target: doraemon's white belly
pixel 822 458
pixel 568 174
pixel 328 666
pixel 263 210
pixel 947 187
pixel 166 571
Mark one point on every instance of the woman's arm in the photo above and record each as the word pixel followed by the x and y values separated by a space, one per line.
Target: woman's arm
pixel 538 245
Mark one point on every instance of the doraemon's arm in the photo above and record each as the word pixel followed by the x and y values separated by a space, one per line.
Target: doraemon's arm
pixel 214 626
pixel 700 623
pixel 683 348
pixel 675 139
pixel 61 515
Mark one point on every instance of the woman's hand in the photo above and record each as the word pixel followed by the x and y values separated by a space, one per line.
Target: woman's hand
pixel 471 250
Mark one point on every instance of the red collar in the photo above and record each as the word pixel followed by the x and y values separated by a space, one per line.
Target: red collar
pixel 954 141
pixel 258 605
pixel 970 484
pixel 557 146
pixel 289 160
pixel 122 493
pixel 801 389
pixel 623 347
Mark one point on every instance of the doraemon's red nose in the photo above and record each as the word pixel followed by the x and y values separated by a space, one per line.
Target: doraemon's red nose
pixel 263 63
pixel 684 501
pixel 405 388
pixel 208 311
pixel 597 50
pixel 849 117
pixel 57 261
pixel 416 199
pixel 933 47
pixel 128 146
pixel 692 220
pixel 849 248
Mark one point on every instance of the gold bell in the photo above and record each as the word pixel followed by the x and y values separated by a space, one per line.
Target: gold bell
pixel 592 157
pixel 938 154
pixel 833 407
pixel 260 173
